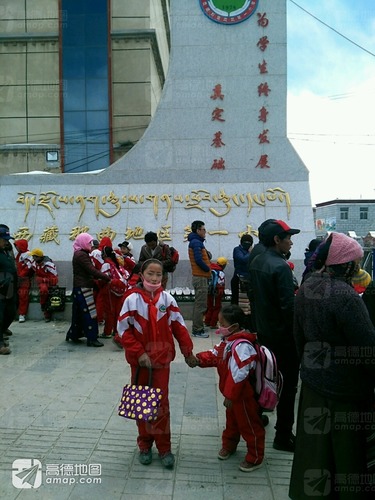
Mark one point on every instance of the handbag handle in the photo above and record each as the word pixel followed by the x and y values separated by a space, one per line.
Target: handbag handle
pixel 149 375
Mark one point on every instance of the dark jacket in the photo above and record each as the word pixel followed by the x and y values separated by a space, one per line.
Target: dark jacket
pixel 198 256
pixel 84 271
pixel 240 260
pixel 8 275
pixel 335 339
pixel 272 298
pixel 161 252
pixel 369 300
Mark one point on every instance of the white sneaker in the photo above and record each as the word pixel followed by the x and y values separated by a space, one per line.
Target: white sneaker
pixel 21 318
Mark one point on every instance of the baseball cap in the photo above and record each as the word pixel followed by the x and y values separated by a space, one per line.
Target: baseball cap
pixel 5 234
pixel 37 252
pixel 278 227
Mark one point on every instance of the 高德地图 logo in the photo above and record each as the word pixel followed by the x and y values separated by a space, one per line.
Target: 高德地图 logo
pixel 228 11
pixel 26 473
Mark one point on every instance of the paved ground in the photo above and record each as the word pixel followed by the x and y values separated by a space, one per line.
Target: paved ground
pixel 59 407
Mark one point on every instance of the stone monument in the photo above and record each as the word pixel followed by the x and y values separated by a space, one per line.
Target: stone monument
pixel 216 150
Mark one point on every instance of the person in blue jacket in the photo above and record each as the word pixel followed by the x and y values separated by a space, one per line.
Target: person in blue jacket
pixel 241 254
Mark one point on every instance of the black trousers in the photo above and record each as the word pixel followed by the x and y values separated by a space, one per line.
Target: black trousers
pixel 7 315
pixel 288 364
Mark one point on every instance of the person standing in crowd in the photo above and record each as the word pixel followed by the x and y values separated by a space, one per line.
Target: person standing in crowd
pixel 201 271
pixel 259 247
pixel 153 249
pixel 25 272
pixel 308 261
pixel 216 290
pixel 335 342
pixel 113 292
pixel 84 318
pixel 125 251
pixel 8 287
pixel 235 368
pixel 97 259
pixel 45 276
pixel 241 255
pixel 149 322
pixel 272 298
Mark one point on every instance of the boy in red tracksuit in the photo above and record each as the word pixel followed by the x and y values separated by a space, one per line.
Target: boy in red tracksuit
pixel 45 277
pixel 242 410
pixel 148 323
pixel 215 292
pixel 24 273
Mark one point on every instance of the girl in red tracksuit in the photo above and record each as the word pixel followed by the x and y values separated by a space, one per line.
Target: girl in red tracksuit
pixel 148 323
pixel 242 410
pixel 112 293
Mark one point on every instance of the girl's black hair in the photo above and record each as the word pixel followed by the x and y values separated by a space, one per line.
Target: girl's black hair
pixel 147 262
pixel 234 314
pixel 108 252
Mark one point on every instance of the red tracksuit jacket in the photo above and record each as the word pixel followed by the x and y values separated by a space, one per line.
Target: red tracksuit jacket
pixel 233 370
pixel 147 324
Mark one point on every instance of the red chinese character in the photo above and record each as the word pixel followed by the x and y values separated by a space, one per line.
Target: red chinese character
pixel 262 67
pixel 263 42
pixel 263 137
pixel 262 20
pixel 217 142
pixel 263 162
pixel 217 93
pixel 263 88
pixel 263 115
pixel 216 115
pixel 218 164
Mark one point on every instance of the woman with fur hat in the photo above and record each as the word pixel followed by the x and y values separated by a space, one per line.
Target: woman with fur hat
pixel 335 341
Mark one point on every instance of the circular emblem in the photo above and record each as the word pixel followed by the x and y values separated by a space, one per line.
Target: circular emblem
pixel 228 11
pixel 162 308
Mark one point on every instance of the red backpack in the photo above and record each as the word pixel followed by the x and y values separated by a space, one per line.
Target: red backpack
pixel 268 380
pixel 175 257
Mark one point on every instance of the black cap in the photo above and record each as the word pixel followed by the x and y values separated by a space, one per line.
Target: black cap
pixel 278 227
pixel 124 244
pixel 4 233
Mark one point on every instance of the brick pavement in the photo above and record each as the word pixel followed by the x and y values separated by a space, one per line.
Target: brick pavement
pixel 59 406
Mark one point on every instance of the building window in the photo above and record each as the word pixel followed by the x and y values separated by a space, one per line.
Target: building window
pixel 363 213
pixel 344 213
pixel 85 70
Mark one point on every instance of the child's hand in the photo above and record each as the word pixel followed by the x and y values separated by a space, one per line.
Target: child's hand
pixel 227 403
pixel 192 361
pixel 144 361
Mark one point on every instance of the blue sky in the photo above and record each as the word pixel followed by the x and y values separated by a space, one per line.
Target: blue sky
pixel 331 95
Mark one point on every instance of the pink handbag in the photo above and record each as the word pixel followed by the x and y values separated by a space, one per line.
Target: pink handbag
pixel 140 402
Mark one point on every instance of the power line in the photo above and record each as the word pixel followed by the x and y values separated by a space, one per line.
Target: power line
pixel 333 29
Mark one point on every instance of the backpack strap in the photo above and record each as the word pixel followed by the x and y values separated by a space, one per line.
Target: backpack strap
pixel 239 362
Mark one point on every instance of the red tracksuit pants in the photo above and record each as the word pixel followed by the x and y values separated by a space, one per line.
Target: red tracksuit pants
pixel 112 305
pixel 24 285
pixel 43 285
pixel 158 431
pixel 213 309
pixel 243 420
